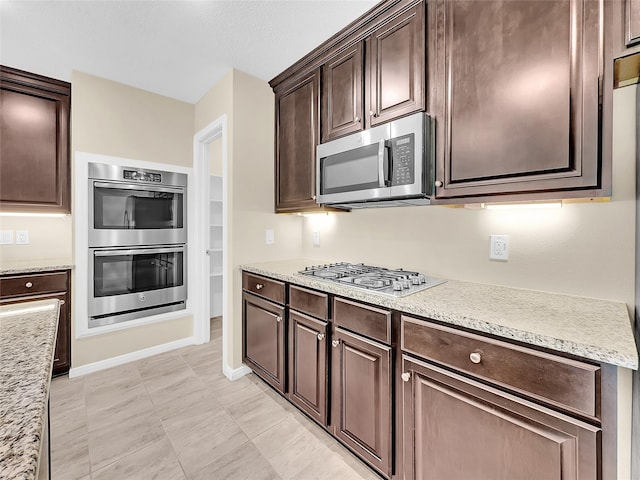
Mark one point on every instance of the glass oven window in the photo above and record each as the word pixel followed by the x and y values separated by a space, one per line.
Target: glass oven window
pixel 119 274
pixel 122 209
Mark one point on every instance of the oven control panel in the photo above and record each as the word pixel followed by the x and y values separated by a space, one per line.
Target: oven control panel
pixel 403 155
pixel 141 176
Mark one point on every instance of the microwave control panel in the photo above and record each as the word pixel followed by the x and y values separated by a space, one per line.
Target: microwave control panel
pixel 403 155
pixel 142 176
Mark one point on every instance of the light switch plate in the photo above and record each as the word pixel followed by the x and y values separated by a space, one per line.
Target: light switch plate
pixel 22 237
pixel 316 239
pixel 269 236
pixel 6 237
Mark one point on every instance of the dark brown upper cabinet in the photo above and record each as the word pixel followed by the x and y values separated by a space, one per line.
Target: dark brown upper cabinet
pixel 342 93
pixel 377 79
pixel 632 22
pixel 517 94
pixel 396 67
pixel 34 152
pixel 297 134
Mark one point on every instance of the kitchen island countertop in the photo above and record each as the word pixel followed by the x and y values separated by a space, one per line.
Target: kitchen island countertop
pixel 595 329
pixel 27 342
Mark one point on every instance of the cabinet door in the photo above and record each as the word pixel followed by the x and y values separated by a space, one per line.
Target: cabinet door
pixel 455 427
pixel 517 96
pixel 342 85
pixel 632 22
pixel 361 397
pixel 297 134
pixel 308 367
pixel 34 152
pixel 62 355
pixel 264 340
pixel 396 67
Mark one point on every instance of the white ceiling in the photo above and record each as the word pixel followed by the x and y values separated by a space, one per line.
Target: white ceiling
pixel 176 48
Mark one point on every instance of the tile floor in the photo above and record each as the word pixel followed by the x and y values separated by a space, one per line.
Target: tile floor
pixel 175 416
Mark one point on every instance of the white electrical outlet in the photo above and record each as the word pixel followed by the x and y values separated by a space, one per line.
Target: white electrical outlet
pixel 316 239
pixel 269 236
pixel 499 247
pixel 22 237
pixel 6 237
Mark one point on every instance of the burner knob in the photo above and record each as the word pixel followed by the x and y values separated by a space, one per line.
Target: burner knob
pixel 422 278
pixel 415 280
pixel 397 286
pixel 406 283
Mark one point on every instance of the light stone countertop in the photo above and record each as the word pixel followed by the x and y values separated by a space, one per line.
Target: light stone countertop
pixel 27 342
pixel 14 267
pixel 598 330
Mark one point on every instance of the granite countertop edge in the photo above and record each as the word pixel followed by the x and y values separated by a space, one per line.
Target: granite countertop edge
pixel 624 357
pixel 29 340
pixel 18 269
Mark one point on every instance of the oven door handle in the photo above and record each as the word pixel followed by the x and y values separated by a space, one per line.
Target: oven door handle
pixel 137 251
pixel 150 188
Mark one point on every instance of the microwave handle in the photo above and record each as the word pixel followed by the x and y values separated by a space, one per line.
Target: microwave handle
pixel 382 180
pixel 137 251
pixel 383 158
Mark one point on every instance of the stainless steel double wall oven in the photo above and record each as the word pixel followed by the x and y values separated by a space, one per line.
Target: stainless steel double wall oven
pixel 137 240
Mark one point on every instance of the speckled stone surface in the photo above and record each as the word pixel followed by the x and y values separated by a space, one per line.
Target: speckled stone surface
pixel 15 267
pixel 594 329
pixel 27 342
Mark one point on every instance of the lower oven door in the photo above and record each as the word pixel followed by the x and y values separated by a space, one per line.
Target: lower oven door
pixel 129 283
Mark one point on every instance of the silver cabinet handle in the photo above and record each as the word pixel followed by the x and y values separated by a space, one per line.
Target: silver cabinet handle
pixel 278 318
pixel 438 183
pixel 28 284
pixel 259 286
pixel 335 343
pixel 373 114
pixel 475 357
pixel 357 119
pixel 321 336
pixel 406 376
pixel 61 302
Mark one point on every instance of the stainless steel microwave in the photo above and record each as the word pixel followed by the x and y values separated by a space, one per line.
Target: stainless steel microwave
pixel 388 165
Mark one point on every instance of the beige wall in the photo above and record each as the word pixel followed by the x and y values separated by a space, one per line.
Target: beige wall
pixel 249 105
pixel 580 249
pixel 112 119
pixel 49 238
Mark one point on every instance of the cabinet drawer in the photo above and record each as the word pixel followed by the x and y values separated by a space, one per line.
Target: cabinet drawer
pixel 265 287
pixel 563 382
pixel 24 285
pixel 306 301
pixel 369 321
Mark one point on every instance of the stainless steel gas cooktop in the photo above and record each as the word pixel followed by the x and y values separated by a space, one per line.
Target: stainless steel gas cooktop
pixel 393 283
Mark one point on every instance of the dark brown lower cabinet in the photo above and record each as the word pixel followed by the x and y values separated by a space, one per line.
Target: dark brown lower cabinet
pixel 361 398
pixel 308 365
pixel 458 428
pixel 263 346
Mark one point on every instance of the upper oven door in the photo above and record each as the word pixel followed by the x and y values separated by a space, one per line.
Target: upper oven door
pixel 122 214
pixel 354 168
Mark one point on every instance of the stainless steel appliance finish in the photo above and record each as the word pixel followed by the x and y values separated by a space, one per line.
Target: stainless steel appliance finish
pixel 128 283
pixel 385 281
pixel 129 206
pixel 388 165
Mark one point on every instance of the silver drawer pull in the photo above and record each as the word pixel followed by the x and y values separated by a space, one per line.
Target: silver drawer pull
pixel 278 318
pixel 61 302
pixel 475 357
pixel 259 286
pixel 335 343
pixel 321 336
pixel 28 284
pixel 56 359
pixel 406 376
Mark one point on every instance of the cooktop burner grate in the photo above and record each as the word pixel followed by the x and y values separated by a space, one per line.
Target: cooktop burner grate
pixel 391 282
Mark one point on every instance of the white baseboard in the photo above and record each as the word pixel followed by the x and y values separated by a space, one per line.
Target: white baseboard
pixel 232 374
pixel 131 357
